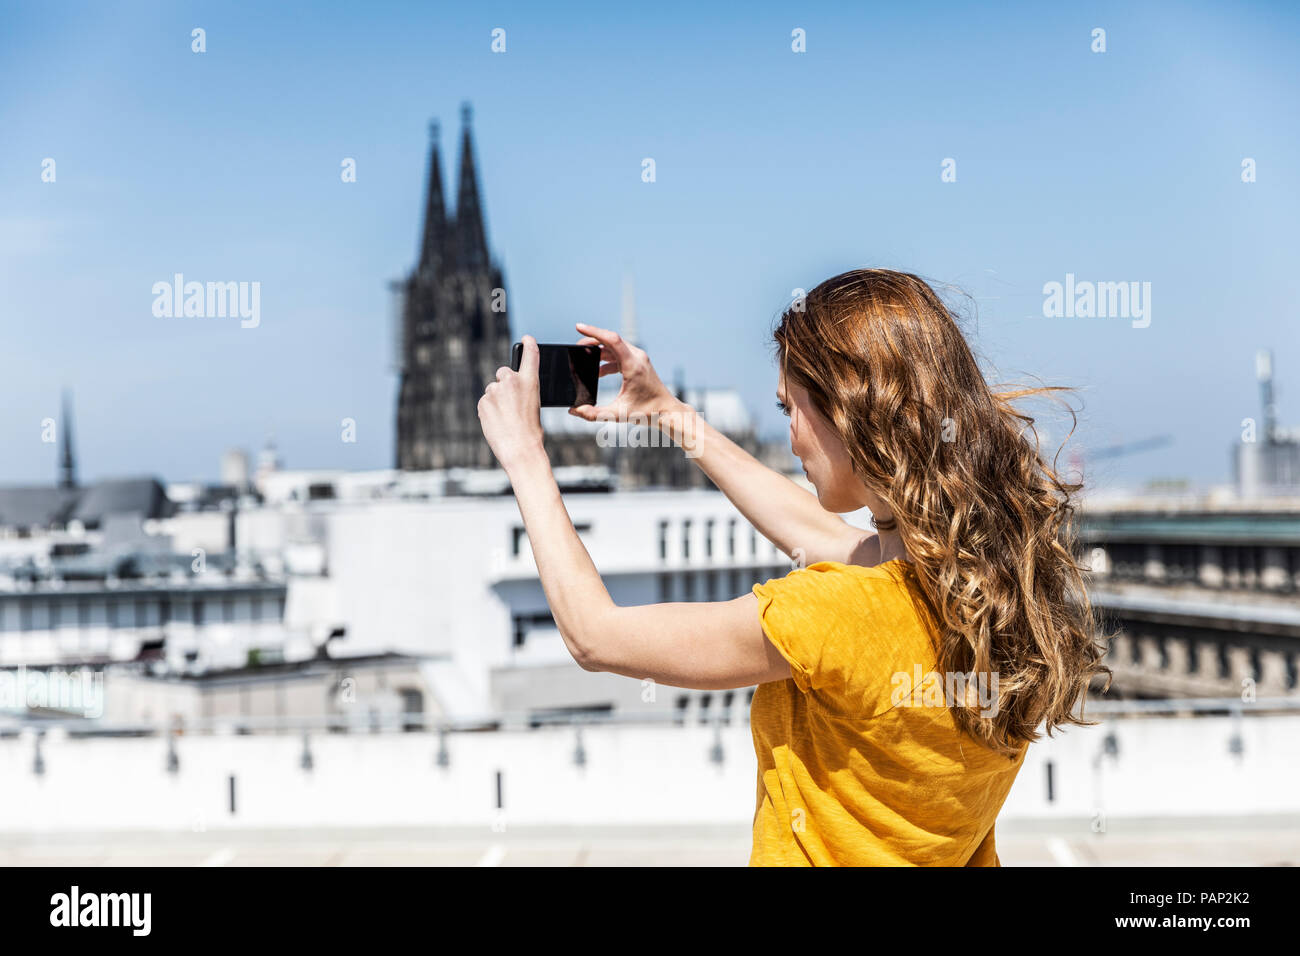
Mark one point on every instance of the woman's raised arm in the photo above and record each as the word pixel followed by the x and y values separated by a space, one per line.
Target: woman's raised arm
pixel 787 515
pixel 712 646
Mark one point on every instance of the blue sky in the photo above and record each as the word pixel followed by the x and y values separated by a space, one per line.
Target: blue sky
pixel 775 170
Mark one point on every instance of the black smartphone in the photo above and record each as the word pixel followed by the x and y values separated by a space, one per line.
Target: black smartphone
pixel 568 373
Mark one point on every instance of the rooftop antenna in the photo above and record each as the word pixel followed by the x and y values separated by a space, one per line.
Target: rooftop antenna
pixel 67 463
pixel 1264 372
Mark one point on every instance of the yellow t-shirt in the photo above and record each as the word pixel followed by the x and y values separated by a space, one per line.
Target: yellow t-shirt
pixel 857 765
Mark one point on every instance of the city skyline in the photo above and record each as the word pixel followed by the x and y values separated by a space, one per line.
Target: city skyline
pixel 1123 166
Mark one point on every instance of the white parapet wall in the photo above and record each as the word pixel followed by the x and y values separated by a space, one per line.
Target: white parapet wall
pixel 632 775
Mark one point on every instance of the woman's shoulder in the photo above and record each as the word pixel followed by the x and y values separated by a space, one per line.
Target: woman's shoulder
pixel 845 628
pixel 892 573
pixel 843 589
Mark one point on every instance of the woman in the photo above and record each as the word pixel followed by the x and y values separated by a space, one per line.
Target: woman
pixel 901 675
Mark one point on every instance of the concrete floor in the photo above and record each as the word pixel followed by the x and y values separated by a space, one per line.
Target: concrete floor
pixel 1246 842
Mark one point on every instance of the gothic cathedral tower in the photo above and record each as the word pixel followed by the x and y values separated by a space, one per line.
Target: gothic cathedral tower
pixel 455 328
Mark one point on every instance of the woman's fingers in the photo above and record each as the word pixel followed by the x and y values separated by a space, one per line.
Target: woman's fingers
pixel 609 340
pixel 529 365
pixel 589 412
pixel 611 366
pixel 606 354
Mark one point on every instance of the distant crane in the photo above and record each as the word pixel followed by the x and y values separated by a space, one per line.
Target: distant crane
pixel 1078 456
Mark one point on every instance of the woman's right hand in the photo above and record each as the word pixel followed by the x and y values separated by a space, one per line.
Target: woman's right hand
pixel 642 393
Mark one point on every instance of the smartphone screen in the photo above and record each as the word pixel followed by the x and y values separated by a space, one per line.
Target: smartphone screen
pixel 568 373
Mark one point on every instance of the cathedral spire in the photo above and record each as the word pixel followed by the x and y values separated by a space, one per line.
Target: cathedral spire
pixel 471 236
pixel 455 328
pixel 435 211
pixel 67 464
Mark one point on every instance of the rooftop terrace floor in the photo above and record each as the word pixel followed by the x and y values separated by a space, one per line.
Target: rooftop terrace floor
pixel 1217 842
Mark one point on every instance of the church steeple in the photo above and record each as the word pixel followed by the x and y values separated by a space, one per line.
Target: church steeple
pixel 455 327
pixel 471 236
pixel 67 464
pixel 435 211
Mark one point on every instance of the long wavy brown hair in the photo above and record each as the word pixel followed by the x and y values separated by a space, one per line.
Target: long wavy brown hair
pixel 988 524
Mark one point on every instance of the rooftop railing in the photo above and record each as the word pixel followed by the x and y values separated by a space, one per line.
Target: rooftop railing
pixel 362 723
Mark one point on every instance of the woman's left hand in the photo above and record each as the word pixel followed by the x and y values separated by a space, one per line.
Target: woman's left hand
pixel 510 410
